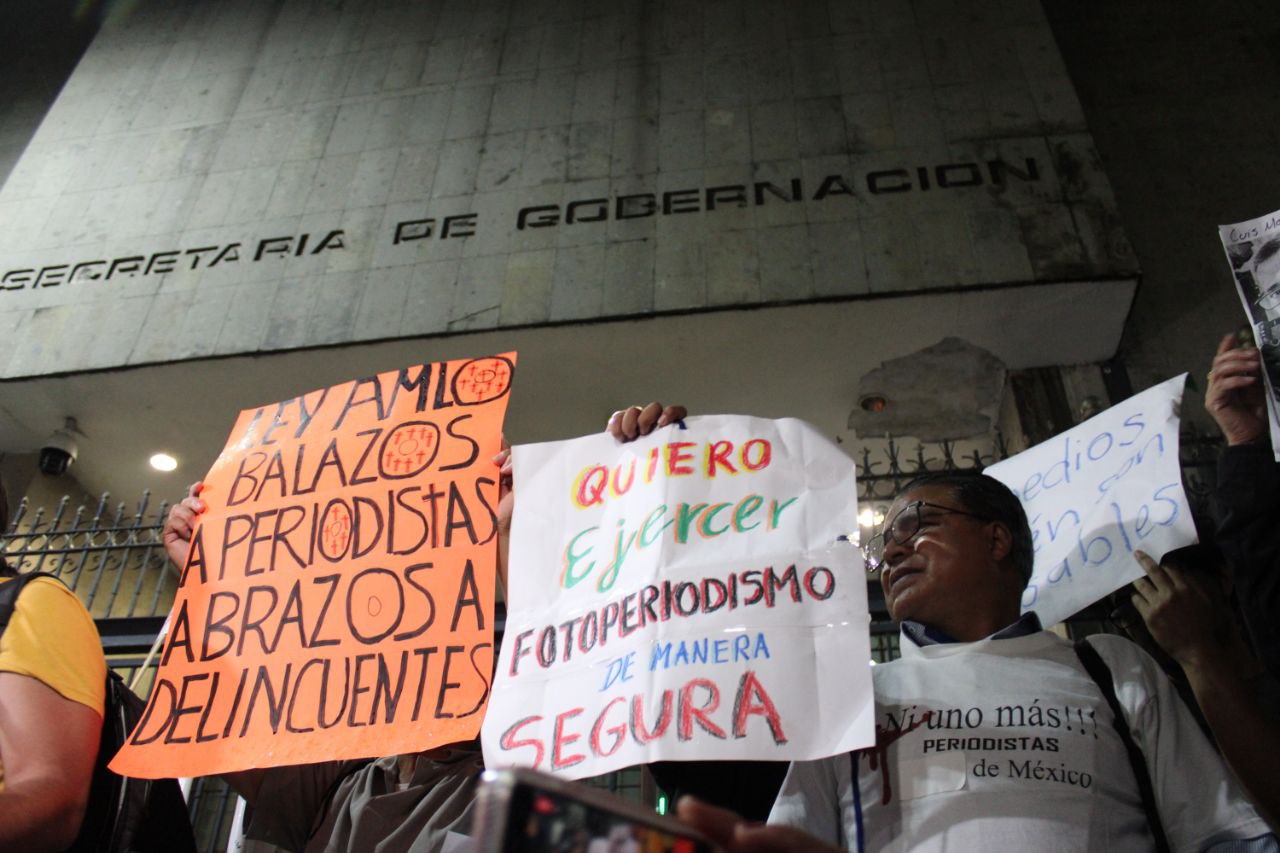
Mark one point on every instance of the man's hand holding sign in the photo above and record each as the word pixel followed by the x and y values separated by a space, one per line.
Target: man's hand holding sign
pixel 337 597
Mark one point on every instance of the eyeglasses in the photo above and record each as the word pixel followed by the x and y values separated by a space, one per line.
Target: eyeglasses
pixel 1269 300
pixel 903 527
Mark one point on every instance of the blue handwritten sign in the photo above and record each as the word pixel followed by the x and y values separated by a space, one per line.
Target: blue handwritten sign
pixel 1097 493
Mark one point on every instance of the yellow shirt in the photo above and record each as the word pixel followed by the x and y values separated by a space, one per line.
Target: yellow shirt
pixel 52 638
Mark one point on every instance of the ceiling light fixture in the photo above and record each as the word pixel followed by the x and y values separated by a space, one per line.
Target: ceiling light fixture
pixel 874 403
pixel 869 516
pixel 163 462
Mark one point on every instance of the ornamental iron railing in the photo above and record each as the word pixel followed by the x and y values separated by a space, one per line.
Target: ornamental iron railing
pixel 883 471
pixel 112 556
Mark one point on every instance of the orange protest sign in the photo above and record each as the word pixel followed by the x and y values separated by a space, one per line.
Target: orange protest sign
pixel 337 599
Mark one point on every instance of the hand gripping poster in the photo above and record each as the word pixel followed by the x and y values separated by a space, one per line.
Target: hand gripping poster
pixel 1095 494
pixel 1253 250
pixel 337 598
pixel 682 596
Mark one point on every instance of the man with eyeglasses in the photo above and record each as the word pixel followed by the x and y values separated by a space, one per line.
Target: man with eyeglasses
pixel 991 732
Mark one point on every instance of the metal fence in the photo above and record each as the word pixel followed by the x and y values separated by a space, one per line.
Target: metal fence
pixel 212 805
pixel 113 557
pixel 882 472
pixel 1198 454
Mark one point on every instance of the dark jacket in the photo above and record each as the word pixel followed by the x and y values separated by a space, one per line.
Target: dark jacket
pixel 1246 508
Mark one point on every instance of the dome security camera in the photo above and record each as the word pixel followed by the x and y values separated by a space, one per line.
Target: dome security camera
pixel 59 451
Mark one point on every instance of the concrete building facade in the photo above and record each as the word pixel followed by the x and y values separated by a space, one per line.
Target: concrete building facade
pixel 260 179
pixel 258 198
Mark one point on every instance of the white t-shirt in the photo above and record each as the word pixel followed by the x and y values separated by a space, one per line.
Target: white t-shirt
pixel 1008 745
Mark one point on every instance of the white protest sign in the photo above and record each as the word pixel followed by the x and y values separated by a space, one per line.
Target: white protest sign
pixel 682 596
pixel 1095 494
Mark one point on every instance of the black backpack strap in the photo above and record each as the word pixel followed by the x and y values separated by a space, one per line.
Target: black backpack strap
pixel 1098 671
pixel 10 590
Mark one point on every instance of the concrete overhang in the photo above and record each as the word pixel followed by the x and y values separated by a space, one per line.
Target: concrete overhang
pixel 802 360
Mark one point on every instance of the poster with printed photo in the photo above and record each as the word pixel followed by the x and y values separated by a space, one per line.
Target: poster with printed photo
pixel 1253 250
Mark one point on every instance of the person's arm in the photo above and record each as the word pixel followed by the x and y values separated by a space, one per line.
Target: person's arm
pixel 180 523
pixel 48 746
pixel 1246 734
pixel 1246 509
pixel 176 536
pixel 1246 502
pixel 735 835
pixel 1234 397
pixel 506 502
pixel 1187 614
pixel 805 816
